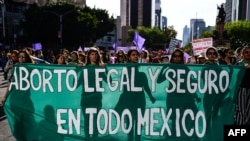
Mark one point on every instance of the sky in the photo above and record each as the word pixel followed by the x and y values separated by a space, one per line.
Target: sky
pixel 178 12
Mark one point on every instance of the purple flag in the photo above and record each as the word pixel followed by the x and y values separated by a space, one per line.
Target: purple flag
pixel 115 46
pixel 138 41
pixel 79 49
pixel 37 46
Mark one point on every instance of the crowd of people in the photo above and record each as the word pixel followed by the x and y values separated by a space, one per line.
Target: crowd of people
pixel 95 56
pixel 64 56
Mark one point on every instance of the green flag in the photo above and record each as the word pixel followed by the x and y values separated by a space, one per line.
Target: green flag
pixel 122 102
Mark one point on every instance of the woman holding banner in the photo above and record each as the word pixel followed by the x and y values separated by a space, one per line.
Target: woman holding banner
pixel 214 104
pixel 17 102
pixel 23 57
pixel 91 99
pixel 131 99
pixel 178 101
pixel 60 60
pixel 177 57
pixel 212 56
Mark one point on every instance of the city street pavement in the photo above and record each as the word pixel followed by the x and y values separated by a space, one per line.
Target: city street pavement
pixel 5 133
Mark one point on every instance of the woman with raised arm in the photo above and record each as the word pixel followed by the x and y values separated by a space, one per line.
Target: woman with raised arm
pixel 23 57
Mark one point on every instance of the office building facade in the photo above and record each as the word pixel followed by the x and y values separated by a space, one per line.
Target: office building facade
pixel 185 36
pixel 164 22
pixel 158 17
pixel 197 26
pixel 136 13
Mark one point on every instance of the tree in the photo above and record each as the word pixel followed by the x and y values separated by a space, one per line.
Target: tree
pixel 207 34
pixel 81 26
pixel 188 47
pixel 238 32
pixel 155 38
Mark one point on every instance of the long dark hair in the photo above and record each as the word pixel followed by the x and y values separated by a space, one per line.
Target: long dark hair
pixel 27 56
pixel 94 49
pixel 182 54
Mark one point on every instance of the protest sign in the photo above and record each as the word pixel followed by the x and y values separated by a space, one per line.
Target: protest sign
pixel 200 45
pixel 122 101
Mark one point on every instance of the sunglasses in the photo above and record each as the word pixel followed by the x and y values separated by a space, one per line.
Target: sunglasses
pixel 211 53
pixel 247 52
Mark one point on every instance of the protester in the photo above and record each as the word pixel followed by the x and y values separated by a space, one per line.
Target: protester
pixel 133 56
pixel 11 62
pixel 144 57
pixel 137 99
pixel 82 58
pixel 60 60
pixel 201 59
pixel 106 56
pixel 212 56
pixel 74 58
pixel 192 59
pixel 228 57
pixel 157 58
pixel 120 58
pixel 238 54
pixel 242 111
pixel 178 100
pixel 66 55
pixel 165 59
pixel 50 56
pixel 94 57
pixel 4 60
pixel 93 60
pixel 112 58
pixel 177 57
pixel 22 131
pixel 92 99
pixel 39 54
pixel 23 57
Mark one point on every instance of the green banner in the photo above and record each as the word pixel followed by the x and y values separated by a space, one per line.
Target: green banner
pixel 122 102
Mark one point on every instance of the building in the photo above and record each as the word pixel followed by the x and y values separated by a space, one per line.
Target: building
pixel 228 10
pixel 136 13
pixel 158 17
pixel 197 26
pixel 139 13
pixel 240 10
pixel 12 11
pixel 185 36
pixel 164 22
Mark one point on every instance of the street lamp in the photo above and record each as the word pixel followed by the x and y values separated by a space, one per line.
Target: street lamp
pixel 3 21
pixel 60 16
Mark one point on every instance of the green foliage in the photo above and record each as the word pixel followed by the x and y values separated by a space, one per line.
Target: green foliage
pixel 188 47
pixel 80 26
pixel 155 38
pixel 207 34
pixel 239 32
